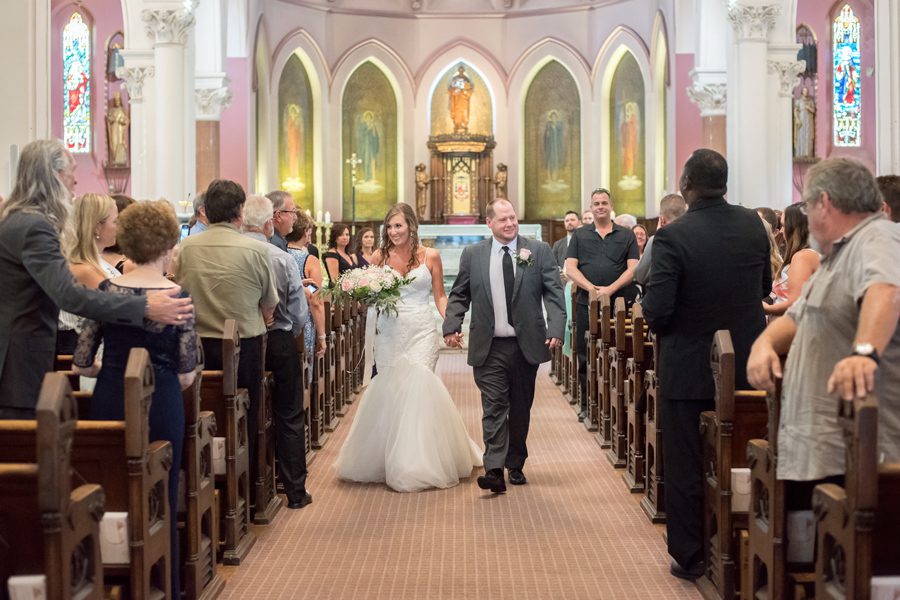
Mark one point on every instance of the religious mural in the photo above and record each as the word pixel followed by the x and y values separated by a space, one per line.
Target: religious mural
pixel 626 152
pixel 552 144
pixel 370 132
pixel 804 97
pixel 295 133
pixel 461 103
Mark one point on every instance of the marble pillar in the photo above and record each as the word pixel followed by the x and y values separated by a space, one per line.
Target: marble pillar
pixel 210 103
pixel 137 74
pixel 710 99
pixel 784 72
pixel 887 57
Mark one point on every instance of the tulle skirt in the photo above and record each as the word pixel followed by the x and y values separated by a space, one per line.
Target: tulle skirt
pixel 408 434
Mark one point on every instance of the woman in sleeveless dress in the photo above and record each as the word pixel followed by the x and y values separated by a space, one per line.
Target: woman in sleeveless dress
pixel 407 432
pixel 800 261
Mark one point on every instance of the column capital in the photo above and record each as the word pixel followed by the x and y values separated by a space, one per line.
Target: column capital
pixel 788 72
pixel 134 80
pixel 168 26
pixel 211 102
pixel 709 97
pixel 753 22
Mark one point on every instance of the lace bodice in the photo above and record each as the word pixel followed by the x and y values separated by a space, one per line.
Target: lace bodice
pixel 411 336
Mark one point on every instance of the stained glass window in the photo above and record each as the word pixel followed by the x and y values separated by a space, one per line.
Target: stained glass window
pixel 846 108
pixel 77 85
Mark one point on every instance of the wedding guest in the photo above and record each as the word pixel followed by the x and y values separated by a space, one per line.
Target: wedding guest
pixel 775 260
pixel 671 207
pixel 771 218
pixel 640 235
pixel 201 223
pixel 338 258
pixel 626 220
pixel 149 232
pixel 889 186
pixel 561 246
pixel 113 254
pixel 284 217
pixel 365 246
pixel 587 217
pixel 311 272
pixel 800 261
pixel 38 281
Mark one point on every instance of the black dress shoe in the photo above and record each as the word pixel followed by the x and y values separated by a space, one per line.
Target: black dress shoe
pixel 582 416
pixel 492 480
pixel 517 477
pixel 300 502
pixel 690 574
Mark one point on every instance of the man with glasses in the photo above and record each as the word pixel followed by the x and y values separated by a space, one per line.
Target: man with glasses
pixel 602 257
pixel 285 214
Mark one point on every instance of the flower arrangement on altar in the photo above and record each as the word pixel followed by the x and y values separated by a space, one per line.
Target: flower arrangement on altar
pixel 373 285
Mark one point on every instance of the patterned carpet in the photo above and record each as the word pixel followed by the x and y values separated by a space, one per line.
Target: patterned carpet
pixel 573 532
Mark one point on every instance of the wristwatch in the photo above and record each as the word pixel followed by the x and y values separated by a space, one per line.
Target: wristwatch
pixel 867 350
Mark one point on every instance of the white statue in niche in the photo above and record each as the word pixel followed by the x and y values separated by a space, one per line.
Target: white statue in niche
pixel 117 122
pixel 804 125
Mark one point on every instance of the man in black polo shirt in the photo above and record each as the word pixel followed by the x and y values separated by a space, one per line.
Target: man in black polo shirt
pixel 601 257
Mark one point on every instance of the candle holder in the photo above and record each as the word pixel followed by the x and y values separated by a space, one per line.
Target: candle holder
pixel 322 231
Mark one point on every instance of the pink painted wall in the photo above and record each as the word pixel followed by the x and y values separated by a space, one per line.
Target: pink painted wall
pixel 688 124
pixel 107 19
pixel 818 14
pixel 234 135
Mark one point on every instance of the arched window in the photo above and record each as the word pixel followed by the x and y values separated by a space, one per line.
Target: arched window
pixel 847 93
pixel 76 48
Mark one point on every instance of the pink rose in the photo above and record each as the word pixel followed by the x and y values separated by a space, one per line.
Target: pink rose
pixel 524 253
pixel 363 281
pixel 346 285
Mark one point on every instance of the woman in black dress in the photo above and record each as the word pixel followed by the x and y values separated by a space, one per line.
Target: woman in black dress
pixel 338 258
pixel 148 231
pixel 365 246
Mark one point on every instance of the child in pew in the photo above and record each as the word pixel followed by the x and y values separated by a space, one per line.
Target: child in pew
pixel 148 232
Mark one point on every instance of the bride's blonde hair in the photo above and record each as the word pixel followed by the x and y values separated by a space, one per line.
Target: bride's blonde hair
pixel 401 208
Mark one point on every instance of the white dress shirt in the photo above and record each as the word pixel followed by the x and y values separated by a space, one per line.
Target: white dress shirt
pixel 502 328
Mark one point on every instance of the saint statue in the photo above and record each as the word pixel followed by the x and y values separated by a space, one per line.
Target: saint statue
pixel 459 92
pixel 804 125
pixel 422 182
pixel 369 144
pixel 500 181
pixel 117 122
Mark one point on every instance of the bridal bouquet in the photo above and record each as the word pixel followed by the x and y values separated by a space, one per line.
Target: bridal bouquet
pixel 372 285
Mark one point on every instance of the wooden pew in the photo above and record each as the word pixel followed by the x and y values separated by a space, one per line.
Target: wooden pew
pixel 330 415
pixel 635 401
pixel 266 501
pixel 200 536
pixel 318 434
pixel 45 527
pixel 654 501
pixel 607 340
pixel 859 523
pixel 307 398
pixel 220 395
pixel 357 334
pixel 596 306
pixel 571 388
pixel 134 474
pixel 740 415
pixel 347 361
pixel 614 370
pixel 338 339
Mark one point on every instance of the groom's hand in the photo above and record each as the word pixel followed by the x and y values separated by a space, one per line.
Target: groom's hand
pixel 453 340
pixel 553 343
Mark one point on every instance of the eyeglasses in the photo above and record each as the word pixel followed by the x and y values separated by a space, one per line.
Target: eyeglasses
pixel 293 212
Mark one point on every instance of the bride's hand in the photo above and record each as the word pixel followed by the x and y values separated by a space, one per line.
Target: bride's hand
pixel 453 340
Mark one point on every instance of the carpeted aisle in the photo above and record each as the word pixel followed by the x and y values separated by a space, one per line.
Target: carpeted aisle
pixel 573 532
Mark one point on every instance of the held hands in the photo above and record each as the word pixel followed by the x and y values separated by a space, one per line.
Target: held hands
pixel 604 290
pixel 454 340
pixel 165 307
pixel 853 376
pixel 763 366
pixel 91 371
pixel 553 343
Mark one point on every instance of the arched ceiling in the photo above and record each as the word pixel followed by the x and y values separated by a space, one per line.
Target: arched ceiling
pixel 447 7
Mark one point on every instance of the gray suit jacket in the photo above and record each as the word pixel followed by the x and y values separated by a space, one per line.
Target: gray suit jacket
pixel 560 247
pixel 535 284
pixel 37 283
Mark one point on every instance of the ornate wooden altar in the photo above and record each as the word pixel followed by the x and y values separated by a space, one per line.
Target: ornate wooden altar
pixel 461 176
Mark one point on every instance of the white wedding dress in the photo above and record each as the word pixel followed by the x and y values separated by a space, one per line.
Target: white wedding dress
pixel 408 432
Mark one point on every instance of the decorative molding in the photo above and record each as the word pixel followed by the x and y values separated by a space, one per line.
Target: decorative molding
pixel 168 26
pixel 788 72
pixel 211 102
pixel 709 97
pixel 753 22
pixel 134 80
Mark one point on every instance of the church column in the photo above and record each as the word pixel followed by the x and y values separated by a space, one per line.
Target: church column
pixel 169 28
pixel 710 98
pixel 784 71
pixel 137 74
pixel 211 101
pixel 887 86
pixel 747 101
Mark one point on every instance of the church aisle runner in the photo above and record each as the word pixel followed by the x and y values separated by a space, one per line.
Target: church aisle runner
pixel 573 532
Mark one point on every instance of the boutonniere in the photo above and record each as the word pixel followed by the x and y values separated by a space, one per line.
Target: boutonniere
pixel 524 258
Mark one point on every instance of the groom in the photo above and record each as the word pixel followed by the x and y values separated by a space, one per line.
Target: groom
pixel 505 279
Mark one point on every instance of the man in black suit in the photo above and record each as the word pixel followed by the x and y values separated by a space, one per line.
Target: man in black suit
pixel 710 271
pixel 561 246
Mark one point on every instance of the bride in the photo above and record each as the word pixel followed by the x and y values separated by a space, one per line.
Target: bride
pixel 408 432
